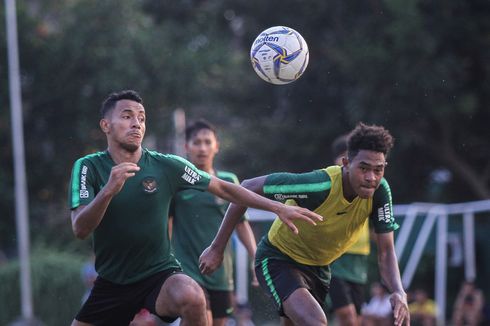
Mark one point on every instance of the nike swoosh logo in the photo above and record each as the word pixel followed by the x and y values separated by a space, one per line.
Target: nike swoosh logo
pixel 341 213
pixel 187 196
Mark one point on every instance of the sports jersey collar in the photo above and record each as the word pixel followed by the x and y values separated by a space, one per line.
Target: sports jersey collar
pixel 144 152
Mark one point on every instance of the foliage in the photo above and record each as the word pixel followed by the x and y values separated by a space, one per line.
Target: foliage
pixel 419 68
pixel 57 287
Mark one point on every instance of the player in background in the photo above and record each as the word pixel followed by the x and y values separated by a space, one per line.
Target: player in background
pixel 122 196
pixel 293 267
pixel 349 271
pixel 196 217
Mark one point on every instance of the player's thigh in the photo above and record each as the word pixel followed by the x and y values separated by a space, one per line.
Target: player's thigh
pixel 339 293
pixel 280 279
pixel 357 294
pixel 177 293
pixel 220 303
pixel 303 309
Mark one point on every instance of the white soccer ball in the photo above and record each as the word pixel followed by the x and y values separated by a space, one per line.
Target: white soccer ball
pixel 279 55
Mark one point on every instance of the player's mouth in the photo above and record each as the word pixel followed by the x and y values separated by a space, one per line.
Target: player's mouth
pixel 202 156
pixel 366 191
pixel 134 134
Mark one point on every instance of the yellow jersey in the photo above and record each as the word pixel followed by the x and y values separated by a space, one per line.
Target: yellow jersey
pixel 343 222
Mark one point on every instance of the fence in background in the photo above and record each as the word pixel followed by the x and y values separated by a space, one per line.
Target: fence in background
pixel 432 215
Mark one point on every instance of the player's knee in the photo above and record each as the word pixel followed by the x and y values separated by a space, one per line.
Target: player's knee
pixel 307 317
pixel 347 316
pixel 179 295
pixel 191 297
pixel 312 320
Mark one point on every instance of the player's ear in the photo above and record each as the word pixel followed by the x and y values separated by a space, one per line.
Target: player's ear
pixel 104 125
pixel 345 161
pixel 217 147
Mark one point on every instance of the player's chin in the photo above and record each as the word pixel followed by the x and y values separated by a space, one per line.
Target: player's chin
pixel 366 193
pixel 132 146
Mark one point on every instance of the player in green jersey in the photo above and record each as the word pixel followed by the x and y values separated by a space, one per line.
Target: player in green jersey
pixel 349 271
pixel 122 197
pixel 196 219
pixel 293 267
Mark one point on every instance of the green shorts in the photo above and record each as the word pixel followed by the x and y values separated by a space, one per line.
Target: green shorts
pixel 279 275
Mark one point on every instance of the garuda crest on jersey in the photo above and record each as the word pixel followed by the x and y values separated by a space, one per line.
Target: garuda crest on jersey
pixel 149 185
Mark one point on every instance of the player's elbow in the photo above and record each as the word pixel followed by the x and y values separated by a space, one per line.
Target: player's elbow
pixel 250 184
pixel 80 232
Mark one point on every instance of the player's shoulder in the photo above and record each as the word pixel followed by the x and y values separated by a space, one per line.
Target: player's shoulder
pixel 165 157
pixel 93 157
pixel 384 187
pixel 227 176
pixel 383 193
pixel 156 155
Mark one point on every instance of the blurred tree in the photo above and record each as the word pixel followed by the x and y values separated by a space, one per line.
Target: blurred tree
pixel 419 68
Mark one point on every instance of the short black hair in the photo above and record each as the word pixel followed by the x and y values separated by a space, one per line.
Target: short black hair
pixel 369 137
pixel 110 102
pixel 192 129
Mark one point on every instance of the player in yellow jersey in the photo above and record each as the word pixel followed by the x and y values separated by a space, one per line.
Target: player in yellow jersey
pixel 349 272
pixel 293 267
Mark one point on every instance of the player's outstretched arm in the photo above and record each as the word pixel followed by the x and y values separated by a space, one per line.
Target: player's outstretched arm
pixel 86 218
pixel 247 238
pixel 243 197
pixel 390 274
pixel 249 195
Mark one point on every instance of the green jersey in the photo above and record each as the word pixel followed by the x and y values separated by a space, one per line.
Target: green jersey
pixel 351 267
pixel 131 242
pixel 197 217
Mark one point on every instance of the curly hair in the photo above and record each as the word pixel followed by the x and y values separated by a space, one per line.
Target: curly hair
pixel 369 137
pixel 110 102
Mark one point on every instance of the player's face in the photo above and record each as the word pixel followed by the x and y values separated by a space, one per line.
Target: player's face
pixel 365 172
pixel 201 148
pixel 125 125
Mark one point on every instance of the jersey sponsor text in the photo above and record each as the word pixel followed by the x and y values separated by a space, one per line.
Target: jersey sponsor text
pixel 190 175
pixel 83 183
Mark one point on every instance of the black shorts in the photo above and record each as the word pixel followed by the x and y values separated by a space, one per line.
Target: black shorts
pixel 219 302
pixel 116 304
pixel 280 278
pixel 344 292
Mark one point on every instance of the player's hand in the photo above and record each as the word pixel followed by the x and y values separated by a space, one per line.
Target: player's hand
pixel 289 213
pixel 400 309
pixel 119 174
pixel 210 259
pixel 254 282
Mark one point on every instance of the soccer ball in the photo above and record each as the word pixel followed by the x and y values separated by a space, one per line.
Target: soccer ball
pixel 279 55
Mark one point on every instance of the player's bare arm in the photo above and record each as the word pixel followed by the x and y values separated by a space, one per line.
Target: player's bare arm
pixel 250 197
pixel 247 238
pixel 241 199
pixel 390 274
pixel 86 218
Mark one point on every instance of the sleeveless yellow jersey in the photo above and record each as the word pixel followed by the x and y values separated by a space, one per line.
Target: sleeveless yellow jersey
pixel 362 246
pixel 344 222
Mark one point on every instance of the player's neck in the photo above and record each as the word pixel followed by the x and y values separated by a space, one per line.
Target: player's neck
pixel 208 168
pixel 121 155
